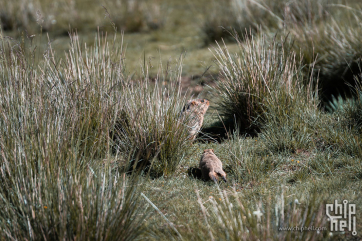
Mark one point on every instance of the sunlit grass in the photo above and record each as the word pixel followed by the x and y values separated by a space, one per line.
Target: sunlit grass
pixel 149 128
pixel 73 125
pixel 56 178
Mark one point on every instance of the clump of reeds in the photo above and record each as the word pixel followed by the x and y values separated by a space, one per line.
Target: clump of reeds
pixel 150 128
pixel 228 216
pixel 333 49
pixel 55 149
pixel 328 43
pixel 263 76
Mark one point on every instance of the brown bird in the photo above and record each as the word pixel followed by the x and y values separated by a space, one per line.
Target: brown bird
pixel 193 112
pixel 211 166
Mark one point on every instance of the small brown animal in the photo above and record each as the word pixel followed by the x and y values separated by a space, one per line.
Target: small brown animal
pixel 194 112
pixel 211 166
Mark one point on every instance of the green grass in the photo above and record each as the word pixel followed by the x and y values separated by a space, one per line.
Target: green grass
pixel 57 181
pixel 261 82
pixel 78 113
pixel 149 128
pixel 126 15
pixel 332 50
pixel 247 17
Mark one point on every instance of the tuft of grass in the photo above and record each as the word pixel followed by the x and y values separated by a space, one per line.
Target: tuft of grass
pixel 345 133
pixel 29 15
pixel 40 202
pixel 333 49
pixel 223 19
pixel 55 121
pixel 349 110
pixel 230 217
pixel 62 175
pixel 328 43
pixel 237 17
pixel 261 82
pixel 126 15
pixel 291 128
pixel 150 128
pixel 135 16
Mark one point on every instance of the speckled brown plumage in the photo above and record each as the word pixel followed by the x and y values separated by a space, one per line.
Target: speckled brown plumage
pixel 211 166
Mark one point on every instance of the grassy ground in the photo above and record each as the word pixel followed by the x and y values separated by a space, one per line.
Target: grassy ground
pixel 79 112
pixel 166 42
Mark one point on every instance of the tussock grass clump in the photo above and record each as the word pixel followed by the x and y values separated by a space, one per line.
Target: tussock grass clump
pixel 150 128
pixel 225 17
pixel 353 110
pixel 135 16
pixel 71 128
pixel 127 15
pixel 344 132
pixel 230 217
pixel 65 203
pixel 261 82
pixel 240 16
pixel 292 128
pixel 348 111
pixel 333 48
pixel 29 15
pixel 83 91
pixel 55 121
pixel 325 33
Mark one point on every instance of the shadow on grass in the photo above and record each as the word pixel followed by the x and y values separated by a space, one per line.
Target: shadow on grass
pixel 220 131
pixel 194 172
pixel 338 82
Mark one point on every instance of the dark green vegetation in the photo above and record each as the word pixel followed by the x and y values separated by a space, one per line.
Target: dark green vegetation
pixel 92 146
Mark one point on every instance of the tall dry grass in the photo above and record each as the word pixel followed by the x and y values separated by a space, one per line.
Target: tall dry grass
pixel 263 77
pixel 237 17
pixel 227 216
pixel 150 129
pixel 61 16
pixel 56 178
